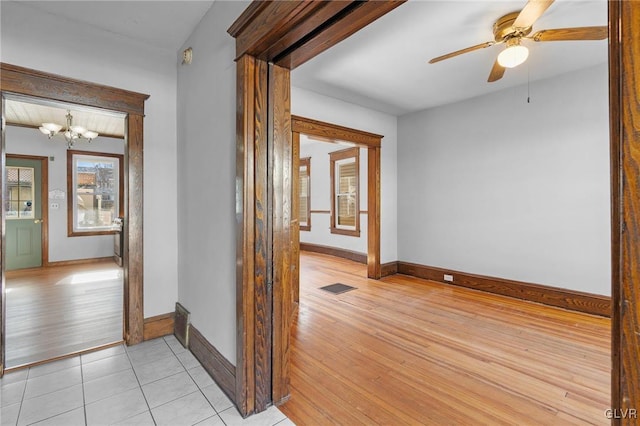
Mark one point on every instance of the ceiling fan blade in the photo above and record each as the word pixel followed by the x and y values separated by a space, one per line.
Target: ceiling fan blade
pixel 577 33
pixel 531 12
pixel 496 72
pixel 461 51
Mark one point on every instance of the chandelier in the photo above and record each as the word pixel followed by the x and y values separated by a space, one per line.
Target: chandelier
pixel 71 132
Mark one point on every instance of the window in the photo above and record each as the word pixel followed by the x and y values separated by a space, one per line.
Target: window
pixel 20 192
pixel 345 193
pixel 95 188
pixel 304 218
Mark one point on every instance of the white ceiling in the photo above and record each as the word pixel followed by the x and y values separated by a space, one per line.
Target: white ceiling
pixel 384 66
pixel 162 24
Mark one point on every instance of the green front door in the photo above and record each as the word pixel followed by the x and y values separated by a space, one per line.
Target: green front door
pixel 23 206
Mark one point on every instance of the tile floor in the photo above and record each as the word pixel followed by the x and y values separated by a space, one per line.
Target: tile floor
pixel 157 382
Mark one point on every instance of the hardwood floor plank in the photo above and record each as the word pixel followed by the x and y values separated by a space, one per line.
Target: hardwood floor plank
pixel 55 311
pixel 409 351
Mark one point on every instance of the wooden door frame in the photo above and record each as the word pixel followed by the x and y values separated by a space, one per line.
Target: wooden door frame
pixel 373 143
pixel 289 34
pixel 20 81
pixel 44 194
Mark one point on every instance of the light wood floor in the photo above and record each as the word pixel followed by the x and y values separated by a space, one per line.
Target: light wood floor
pixel 56 311
pixel 409 351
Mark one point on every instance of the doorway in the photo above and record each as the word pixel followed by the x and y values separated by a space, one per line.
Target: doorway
pixel 22 82
pixel 253 53
pixel 329 133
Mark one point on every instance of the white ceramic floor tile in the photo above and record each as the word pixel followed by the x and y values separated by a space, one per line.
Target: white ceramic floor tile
pixel 105 366
pixel 217 397
pixel 145 344
pixel 269 417
pixel 168 389
pixel 70 418
pixel 50 367
pixel 14 376
pixel 150 354
pixel 106 386
pixel 9 414
pixel 101 354
pixel 51 404
pixel 211 421
pixel 11 393
pixel 188 360
pixel 51 382
pixel 174 344
pixel 188 410
pixel 286 422
pixel 201 377
pixel 157 370
pixel 143 419
pixel 116 408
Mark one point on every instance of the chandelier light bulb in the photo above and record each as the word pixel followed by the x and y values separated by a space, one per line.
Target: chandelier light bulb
pixel 71 132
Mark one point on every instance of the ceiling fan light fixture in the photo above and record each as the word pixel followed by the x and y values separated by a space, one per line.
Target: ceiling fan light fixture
pixel 514 54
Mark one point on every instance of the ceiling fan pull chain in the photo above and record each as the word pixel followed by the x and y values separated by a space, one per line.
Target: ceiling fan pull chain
pixel 528 83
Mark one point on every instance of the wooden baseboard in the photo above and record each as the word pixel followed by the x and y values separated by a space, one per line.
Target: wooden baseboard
pixel 562 298
pixel 158 326
pixel 334 251
pixel 218 367
pixel 80 261
pixel 387 269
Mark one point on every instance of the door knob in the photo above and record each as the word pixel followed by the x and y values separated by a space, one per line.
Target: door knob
pixel 38 221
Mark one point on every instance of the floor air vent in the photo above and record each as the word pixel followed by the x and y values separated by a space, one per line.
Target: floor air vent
pixel 181 327
pixel 337 288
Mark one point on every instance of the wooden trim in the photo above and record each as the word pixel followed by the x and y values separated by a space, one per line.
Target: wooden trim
pixel 373 219
pixel 303 162
pixel 387 269
pixel 218 367
pixel 295 225
pixel 39 84
pixel 333 132
pixel 58 263
pixel 335 251
pixel 70 191
pixel 320 211
pixel 280 162
pixel 44 197
pixel 562 298
pixel 158 326
pixel 254 264
pixel 26 82
pixel 625 147
pixel 133 250
pixel 335 156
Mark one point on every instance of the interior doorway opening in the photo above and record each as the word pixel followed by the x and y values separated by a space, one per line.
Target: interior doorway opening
pixel 18 82
pixel 64 289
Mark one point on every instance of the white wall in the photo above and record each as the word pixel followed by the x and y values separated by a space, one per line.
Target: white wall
pixel 20 140
pixel 320 232
pixel 319 107
pixel 499 187
pixel 34 39
pixel 206 179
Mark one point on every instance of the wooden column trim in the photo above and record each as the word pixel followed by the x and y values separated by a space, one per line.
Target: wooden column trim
pixel 373 218
pixel 625 178
pixel 280 141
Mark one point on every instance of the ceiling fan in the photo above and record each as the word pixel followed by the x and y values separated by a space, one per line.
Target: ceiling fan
pixel 510 29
